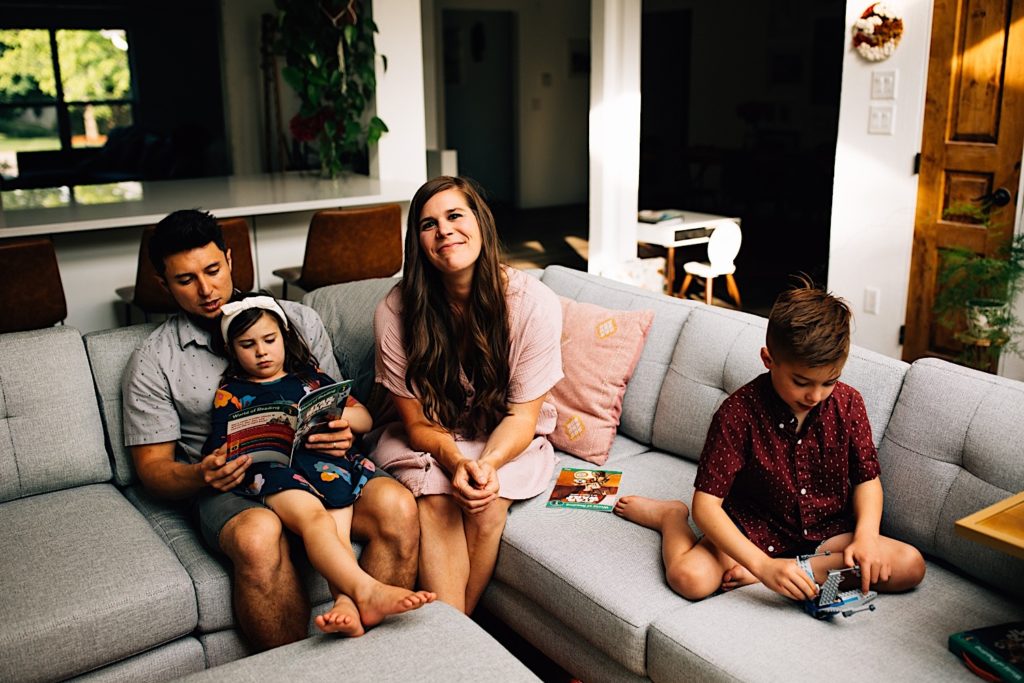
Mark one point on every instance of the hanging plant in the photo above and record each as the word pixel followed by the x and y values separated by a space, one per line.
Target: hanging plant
pixel 330 63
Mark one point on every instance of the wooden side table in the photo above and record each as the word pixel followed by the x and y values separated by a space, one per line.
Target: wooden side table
pixel 999 526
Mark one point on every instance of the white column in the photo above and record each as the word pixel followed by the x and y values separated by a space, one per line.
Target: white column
pixel 401 153
pixel 614 133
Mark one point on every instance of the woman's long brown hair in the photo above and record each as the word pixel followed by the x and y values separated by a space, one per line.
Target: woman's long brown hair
pixel 437 342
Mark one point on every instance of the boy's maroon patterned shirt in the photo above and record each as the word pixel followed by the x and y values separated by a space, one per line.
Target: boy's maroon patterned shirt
pixel 786 491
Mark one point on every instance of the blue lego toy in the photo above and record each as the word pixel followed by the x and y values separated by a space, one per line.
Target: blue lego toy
pixel 831 601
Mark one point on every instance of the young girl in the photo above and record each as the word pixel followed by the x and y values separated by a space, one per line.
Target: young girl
pixel 268 361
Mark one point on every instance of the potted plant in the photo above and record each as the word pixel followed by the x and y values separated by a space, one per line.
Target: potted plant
pixel 976 293
pixel 330 63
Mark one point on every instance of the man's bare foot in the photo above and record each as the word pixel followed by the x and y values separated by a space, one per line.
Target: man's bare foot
pixel 381 600
pixel 343 618
pixel 736 577
pixel 651 512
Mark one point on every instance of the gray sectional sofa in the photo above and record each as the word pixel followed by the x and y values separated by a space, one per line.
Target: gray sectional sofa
pixel 100 578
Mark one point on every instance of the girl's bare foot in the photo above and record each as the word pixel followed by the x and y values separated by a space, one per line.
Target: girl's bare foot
pixel 651 512
pixel 343 618
pixel 736 577
pixel 380 600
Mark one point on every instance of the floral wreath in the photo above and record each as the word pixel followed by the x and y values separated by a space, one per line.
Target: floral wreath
pixel 877 33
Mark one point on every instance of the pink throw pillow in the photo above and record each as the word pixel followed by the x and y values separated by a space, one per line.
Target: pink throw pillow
pixel 600 349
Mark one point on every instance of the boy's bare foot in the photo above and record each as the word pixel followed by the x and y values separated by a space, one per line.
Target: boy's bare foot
pixel 651 512
pixel 382 600
pixel 736 577
pixel 343 618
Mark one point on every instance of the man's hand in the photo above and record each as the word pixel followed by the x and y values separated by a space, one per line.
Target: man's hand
pixel 476 485
pixel 784 576
pixel 866 552
pixel 221 474
pixel 335 442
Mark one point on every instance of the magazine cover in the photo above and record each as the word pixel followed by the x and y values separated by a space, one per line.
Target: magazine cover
pixel 271 432
pixel 996 650
pixel 265 433
pixel 585 489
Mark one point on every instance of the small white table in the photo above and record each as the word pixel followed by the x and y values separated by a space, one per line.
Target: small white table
pixel 695 228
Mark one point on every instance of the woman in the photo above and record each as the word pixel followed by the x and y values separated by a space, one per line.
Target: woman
pixel 468 349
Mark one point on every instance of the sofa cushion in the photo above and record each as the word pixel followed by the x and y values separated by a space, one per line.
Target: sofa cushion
pixel 91 584
pixel 599 574
pixel 51 437
pixel 953 447
pixel 167 662
pixel 109 351
pixel 403 648
pixel 210 572
pixel 347 312
pixel 903 640
pixel 600 349
pixel 719 351
pixel 641 395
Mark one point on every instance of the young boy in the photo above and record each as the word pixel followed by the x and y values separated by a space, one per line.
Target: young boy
pixel 788 468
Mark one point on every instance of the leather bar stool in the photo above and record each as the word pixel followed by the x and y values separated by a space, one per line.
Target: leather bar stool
pixel 32 294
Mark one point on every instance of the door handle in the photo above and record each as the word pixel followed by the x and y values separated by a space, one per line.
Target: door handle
pixel 999 197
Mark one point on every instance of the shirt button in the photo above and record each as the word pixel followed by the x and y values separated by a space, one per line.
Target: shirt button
pixel 771 549
pixel 803 492
pixel 805 532
pixel 799 441
pixel 782 426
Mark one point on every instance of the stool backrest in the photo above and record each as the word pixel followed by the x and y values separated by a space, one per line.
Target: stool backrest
pixel 352 244
pixel 32 294
pixel 723 245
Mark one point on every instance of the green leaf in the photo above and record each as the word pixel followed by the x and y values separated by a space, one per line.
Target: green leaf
pixel 293 77
pixel 350 34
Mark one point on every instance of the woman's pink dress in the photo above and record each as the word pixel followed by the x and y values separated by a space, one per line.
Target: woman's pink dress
pixel 535 365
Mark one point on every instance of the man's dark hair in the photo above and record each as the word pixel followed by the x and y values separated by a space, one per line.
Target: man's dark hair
pixel 810 326
pixel 180 231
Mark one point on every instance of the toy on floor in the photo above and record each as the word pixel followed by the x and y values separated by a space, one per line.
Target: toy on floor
pixel 831 601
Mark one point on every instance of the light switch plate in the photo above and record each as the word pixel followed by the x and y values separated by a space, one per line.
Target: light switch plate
pixel 883 85
pixel 881 119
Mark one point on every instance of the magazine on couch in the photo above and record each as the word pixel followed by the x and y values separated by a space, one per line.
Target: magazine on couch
pixel 585 489
pixel 272 432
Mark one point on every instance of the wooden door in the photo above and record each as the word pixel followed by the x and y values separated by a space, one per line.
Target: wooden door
pixel 972 143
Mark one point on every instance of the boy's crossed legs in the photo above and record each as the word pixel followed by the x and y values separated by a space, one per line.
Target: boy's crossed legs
pixel 697 568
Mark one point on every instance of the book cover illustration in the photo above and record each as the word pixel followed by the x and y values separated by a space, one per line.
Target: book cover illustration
pixel 996 650
pixel 271 432
pixel 585 489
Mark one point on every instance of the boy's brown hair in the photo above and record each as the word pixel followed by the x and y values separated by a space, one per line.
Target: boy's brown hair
pixel 810 326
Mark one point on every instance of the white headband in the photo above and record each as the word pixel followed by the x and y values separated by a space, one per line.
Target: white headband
pixel 235 307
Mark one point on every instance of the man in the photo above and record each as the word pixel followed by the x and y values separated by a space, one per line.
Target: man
pixel 168 391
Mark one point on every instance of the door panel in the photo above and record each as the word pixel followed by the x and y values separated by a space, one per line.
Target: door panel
pixel 972 143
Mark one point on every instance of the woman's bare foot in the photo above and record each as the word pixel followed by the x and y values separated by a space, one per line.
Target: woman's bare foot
pixel 651 512
pixel 736 577
pixel 343 618
pixel 380 600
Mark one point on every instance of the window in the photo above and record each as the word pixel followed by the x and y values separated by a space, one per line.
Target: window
pixel 61 90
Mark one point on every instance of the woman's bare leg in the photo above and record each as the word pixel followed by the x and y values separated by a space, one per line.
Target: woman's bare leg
pixel 483 536
pixel 444 558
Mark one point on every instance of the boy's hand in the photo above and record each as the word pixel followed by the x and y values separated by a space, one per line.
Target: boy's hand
pixel 866 552
pixel 335 441
pixel 221 474
pixel 784 576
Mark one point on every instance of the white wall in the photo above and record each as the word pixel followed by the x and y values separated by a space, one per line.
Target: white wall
pixel 552 119
pixel 875 190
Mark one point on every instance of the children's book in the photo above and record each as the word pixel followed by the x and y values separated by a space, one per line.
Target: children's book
pixel 993 652
pixel 273 432
pixel 585 489
pixel 660 216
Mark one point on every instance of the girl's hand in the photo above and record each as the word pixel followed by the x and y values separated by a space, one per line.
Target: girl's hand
pixel 336 441
pixel 476 485
pixel 221 474
pixel 784 576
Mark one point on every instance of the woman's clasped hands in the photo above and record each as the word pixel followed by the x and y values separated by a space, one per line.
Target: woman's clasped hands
pixel 476 485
